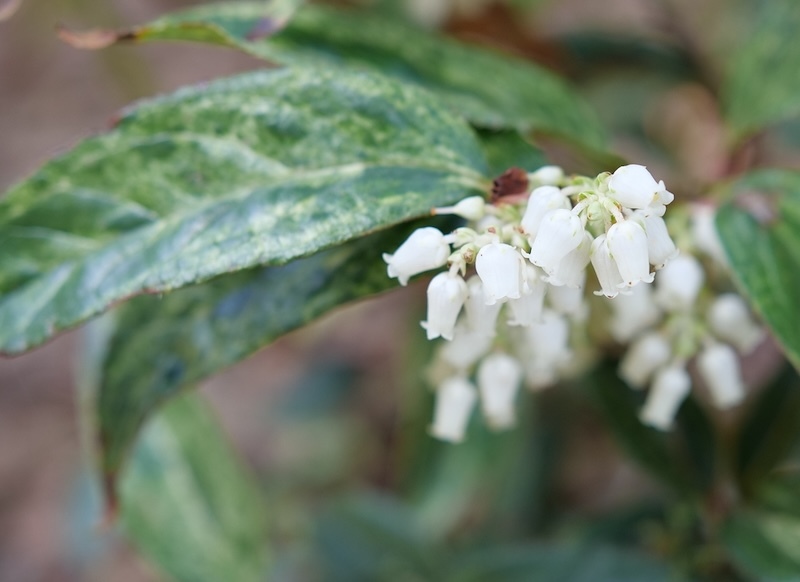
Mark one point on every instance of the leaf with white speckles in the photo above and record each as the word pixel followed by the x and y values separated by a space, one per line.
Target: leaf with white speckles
pixel 489 88
pixel 260 169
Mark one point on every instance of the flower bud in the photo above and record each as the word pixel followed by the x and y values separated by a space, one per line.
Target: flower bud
pixel 499 376
pixel 446 295
pixel 455 399
pixel 472 208
pixel 500 268
pixel 719 368
pixel 670 388
pixel 424 250
pixel 547 176
pixel 705 235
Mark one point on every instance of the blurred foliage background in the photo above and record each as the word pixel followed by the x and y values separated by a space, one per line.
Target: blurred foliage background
pixel 328 457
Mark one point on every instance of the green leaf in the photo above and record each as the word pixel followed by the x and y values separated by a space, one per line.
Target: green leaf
pixel 765 545
pixel 188 504
pixel 194 332
pixel 763 86
pixel 506 149
pixel 260 169
pixel 557 563
pixel 769 431
pixel 490 89
pixel 760 230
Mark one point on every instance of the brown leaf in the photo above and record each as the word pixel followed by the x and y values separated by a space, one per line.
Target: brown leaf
pixel 92 39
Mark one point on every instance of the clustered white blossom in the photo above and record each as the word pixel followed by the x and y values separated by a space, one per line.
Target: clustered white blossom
pixel 513 308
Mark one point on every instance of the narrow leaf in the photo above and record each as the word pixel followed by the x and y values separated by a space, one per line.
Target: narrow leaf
pixel 188 504
pixel 490 89
pixel 764 545
pixel 760 230
pixel 260 169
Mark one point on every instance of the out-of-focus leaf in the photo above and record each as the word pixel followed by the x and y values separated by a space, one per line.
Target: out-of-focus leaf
pixel 557 563
pixel 370 537
pixel 770 430
pixel 505 149
pixel 763 86
pixel 491 89
pixel 760 230
pixel 764 545
pixel 188 504
pixel 162 345
pixel 260 169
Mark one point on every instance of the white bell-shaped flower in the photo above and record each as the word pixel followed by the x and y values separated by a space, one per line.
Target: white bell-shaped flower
pixel 499 377
pixel 705 235
pixel 547 176
pixel 472 208
pixel 644 356
pixel 719 368
pixel 633 186
pixel 541 201
pixel 660 247
pixel 482 318
pixel 567 300
pixel 669 390
pixel 571 270
pixel 605 268
pixel 548 339
pixel 528 308
pixel 467 347
pixel 679 283
pixel 730 320
pixel 560 232
pixel 455 399
pixel 500 268
pixel 424 250
pixel 447 293
pixel 634 313
pixel 627 243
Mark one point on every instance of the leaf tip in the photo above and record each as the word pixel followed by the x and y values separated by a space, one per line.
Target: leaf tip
pixel 92 39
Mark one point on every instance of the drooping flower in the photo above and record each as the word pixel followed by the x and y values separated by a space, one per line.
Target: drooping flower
pixel 679 283
pixel 455 399
pixel 567 300
pixel 730 319
pixel 719 367
pixel 605 268
pixel 500 268
pixel 666 395
pixel 643 358
pixel 527 309
pixel 541 201
pixel 571 270
pixel 627 243
pixel 634 187
pixel 424 250
pixel 499 377
pixel 660 247
pixel 633 313
pixel 560 233
pixel 466 348
pixel 481 317
pixel 447 293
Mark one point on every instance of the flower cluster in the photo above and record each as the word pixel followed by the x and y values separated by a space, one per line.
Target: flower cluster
pixel 513 307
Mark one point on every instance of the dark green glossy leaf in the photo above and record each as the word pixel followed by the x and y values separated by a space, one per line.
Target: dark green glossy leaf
pixel 259 169
pixel 490 89
pixel 764 545
pixel 188 504
pixel 505 149
pixel 770 430
pixel 763 86
pixel 760 230
pixel 557 563
pixel 192 333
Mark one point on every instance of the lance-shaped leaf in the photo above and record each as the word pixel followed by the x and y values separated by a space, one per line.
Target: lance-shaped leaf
pixel 188 504
pixel 489 88
pixel 760 230
pixel 260 169
pixel 763 85
pixel 194 332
